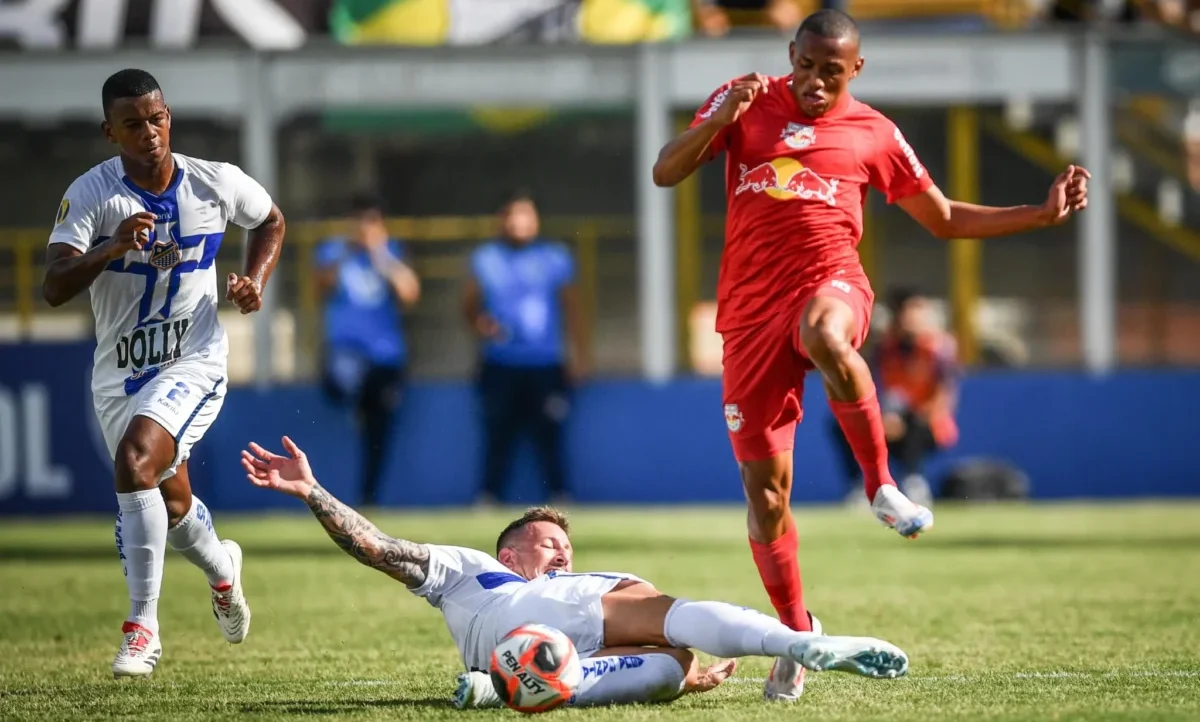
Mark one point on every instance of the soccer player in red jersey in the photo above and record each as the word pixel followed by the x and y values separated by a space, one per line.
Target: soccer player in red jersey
pixel 792 294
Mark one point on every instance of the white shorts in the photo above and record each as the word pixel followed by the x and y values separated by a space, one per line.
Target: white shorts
pixel 568 602
pixel 183 398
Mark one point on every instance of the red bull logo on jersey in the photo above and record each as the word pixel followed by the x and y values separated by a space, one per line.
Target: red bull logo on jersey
pixel 786 179
pixel 799 136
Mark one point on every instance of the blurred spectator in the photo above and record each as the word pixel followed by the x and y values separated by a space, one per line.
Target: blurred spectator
pixel 916 371
pixel 712 16
pixel 520 295
pixel 365 280
pixel 1183 14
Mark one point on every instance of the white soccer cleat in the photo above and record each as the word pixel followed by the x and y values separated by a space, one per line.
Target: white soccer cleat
pixel 785 683
pixel 139 652
pixel 863 656
pixel 895 510
pixel 228 603
pixel 475 691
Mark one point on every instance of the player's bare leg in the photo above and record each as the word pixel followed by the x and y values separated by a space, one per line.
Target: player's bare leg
pixel 144 453
pixel 617 675
pixel 636 614
pixel 192 535
pixel 775 545
pixel 828 327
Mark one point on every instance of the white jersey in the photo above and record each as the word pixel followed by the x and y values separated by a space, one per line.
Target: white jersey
pixel 158 305
pixel 482 601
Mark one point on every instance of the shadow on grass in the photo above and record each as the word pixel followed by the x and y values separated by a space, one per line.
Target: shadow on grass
pixel 1065 542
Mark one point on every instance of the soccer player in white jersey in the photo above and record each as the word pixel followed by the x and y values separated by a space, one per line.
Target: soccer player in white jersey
pixel 141 231
pixel 634 640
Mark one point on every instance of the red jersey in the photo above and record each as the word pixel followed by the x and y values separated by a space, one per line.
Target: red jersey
pixel 795 188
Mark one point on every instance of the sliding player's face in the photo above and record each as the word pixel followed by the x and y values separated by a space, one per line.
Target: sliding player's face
pixel 541 546
pixel 141 126
pixel 822 68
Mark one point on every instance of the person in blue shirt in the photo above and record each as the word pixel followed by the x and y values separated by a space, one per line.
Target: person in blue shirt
pixel 522 305
pixel 366 281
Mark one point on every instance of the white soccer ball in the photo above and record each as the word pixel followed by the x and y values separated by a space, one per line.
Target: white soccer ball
pixel 535 668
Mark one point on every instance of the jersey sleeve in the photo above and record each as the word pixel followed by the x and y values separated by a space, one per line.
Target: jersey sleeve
pixel 895 169
pixel 721 140
pixel 247 202
pixel 450 566
pixel 78 218
pixel 399 250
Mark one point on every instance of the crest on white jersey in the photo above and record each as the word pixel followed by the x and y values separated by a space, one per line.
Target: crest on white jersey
pixel 733 418
pixel 164 255
pixel 799 136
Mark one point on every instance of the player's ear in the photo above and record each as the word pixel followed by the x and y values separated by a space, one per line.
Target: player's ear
pixel 508 558
pixel 858 66
pixel 168 109
pixel 107 129
pixel 792 53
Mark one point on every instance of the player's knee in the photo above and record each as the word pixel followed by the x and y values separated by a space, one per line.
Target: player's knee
pixel 825 340
pixel 135 465
pixel 768 507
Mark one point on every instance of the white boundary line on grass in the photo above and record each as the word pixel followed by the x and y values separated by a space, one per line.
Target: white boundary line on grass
pixel 1151 674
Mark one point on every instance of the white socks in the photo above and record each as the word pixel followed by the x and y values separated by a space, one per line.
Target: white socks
pixel 724 630
pixel 628 679
pixel 142 543
pixel 195 539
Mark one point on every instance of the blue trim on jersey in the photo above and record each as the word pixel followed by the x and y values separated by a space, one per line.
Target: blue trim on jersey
pixel 553 574
pixel 134 384
pixel 148 197
pixel 491 580
pixel 207 397
pixel 211 243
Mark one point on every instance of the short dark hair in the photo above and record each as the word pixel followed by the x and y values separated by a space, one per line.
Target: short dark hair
pixel 517 195
pixel 365 202
pixel 128 83
pixel 900 297
pixel 829 23
pixel 531 515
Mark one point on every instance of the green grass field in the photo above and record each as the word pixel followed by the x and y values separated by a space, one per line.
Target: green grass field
pixel 1008 612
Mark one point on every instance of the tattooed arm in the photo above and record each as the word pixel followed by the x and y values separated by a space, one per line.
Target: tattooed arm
pixel 402 560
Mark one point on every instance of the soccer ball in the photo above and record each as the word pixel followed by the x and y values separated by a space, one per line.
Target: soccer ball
pixel 535 668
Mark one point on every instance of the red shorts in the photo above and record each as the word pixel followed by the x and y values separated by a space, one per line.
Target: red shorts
pixel 764 368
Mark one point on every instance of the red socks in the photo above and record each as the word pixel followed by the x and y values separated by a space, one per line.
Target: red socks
pixel 780 572
pixel 862 423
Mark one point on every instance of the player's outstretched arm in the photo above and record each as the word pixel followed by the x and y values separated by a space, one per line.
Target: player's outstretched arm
pixel 947 218
pixel 402 560
pixel 69 271
pixel 681 157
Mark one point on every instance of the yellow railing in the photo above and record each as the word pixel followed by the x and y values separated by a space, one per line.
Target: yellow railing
pixel 26 247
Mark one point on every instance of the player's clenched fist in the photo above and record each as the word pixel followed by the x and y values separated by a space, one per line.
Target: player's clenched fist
pixel 1068 194
pixel 245 293
pixel 739 97
pixel 131 235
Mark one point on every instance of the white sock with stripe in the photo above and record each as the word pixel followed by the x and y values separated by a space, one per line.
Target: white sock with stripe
pixel 141 535
pixel 195 538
